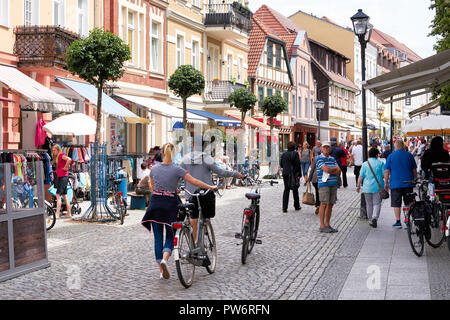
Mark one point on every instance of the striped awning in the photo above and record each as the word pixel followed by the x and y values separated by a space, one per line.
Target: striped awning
pixel 39 97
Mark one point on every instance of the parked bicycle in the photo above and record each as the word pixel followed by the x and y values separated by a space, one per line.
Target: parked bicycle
pixel 250 220
pixel 116 199
pixel 189 252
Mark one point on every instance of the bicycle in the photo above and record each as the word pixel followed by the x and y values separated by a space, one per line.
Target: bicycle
pixel 189 253
pixel 117 200
pixel 250 220
pixel 440 175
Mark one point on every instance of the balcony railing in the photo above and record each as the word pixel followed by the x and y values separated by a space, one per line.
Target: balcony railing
pixel 226 15
pixel 220 90
pixel 42 45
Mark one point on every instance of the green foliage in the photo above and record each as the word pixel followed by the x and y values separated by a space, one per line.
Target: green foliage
pixel 440 28
pixel 186 81
pixel 274 105
pixel 242 99
pixel 98 58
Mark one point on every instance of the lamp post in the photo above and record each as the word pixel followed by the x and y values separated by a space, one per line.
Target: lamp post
pixel 363 30
pixel 319 105
pixel 380 113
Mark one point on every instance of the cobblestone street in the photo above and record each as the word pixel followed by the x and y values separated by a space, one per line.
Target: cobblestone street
pixel 109 261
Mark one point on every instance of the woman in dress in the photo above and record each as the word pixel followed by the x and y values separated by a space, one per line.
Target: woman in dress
pixel 163 207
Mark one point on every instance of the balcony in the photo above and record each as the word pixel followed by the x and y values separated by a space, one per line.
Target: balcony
pixel 43 46
pixel 225 20
pixel 218 91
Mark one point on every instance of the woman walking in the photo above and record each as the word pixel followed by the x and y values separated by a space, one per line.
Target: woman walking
pixel 370 185
pixel 305 160
pixel 61 181
pixel 163 207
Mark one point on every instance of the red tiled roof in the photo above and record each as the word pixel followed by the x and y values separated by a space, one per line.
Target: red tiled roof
pixel 256 42
pixel 389 41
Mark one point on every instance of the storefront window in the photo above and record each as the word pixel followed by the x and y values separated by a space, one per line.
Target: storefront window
pixel 118 136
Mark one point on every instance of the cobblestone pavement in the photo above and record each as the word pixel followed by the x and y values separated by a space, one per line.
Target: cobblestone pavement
pixel 109 261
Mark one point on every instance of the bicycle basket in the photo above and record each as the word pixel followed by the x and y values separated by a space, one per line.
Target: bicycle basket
pixel 208 204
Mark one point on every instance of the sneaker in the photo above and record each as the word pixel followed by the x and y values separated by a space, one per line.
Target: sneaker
pixel 296 209
pixel 322 230
pixel 374 223
pixel 397 224
pixel 332 230
pixel 165 273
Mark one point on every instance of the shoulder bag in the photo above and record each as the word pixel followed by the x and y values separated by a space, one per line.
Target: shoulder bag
pixel 383 193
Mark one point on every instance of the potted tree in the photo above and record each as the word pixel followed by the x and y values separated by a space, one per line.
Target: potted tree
pixel 243 100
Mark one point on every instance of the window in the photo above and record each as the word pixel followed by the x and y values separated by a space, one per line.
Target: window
pixel 131 34
pixel 311 106
pixel 299 106
pixel 4 13
pixel 230 66
pixel 269 53
pixel 155 47
pixel 180 50
pixel 278 56
pixel 196 3
pixel 286 97
pixel 195 55
pixel 307 114
pixel 278 92
pixel 83 18
pixel 239 69
pixel 294 109
pixel 269 92
pixel 260 96
pixel 59 12
pixel 213 63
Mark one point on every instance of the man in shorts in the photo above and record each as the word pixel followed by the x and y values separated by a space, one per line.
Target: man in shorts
pixel 400 167
pixel 327 173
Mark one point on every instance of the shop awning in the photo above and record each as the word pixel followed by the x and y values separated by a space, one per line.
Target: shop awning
pixel 220 120
pixel 421 75
pixel 429 106
pixel 109 105
pixel 38 96
pixel 163 108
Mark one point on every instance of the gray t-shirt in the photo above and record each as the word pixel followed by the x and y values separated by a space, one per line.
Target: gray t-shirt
pixel 305 156
pixel 166 176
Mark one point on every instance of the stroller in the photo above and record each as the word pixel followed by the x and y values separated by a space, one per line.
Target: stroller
pixel 72 190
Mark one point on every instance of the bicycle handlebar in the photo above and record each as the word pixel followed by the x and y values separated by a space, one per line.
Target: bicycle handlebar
pixel 272 182
pixel 202 193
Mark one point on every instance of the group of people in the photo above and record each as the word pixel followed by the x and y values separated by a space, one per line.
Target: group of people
pixel 328 162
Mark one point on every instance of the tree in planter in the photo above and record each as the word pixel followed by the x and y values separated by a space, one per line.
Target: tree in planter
pixel 440 27
pixel 243 100
pixel 271 107
pixel 186 81
pixel 98 58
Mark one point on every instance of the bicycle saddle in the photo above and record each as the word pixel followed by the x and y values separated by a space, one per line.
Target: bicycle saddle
pixel 188 206
pixel 252 195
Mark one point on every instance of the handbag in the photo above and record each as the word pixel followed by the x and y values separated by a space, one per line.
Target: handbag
pixel 308 196
pixel 383 193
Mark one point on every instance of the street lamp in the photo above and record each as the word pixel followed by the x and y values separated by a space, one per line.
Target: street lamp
pixel 363 30
pixel 380 113
pixel 319 105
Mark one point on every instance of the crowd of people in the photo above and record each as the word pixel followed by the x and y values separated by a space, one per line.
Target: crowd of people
pixel 386 170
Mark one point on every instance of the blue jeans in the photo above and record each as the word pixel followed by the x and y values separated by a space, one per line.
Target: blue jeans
pixel 158 232
pixel 305 167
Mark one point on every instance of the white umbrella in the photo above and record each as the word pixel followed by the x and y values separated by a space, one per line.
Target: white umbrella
pixel 432 125
pixel 77 124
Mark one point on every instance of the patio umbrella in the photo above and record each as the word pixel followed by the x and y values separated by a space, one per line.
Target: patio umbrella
pixel 429 126
pixel 77 124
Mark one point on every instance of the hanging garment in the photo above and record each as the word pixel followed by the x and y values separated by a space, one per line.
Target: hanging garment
pixel 39 139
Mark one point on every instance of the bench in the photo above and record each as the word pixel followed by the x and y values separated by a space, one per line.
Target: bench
pixel 138 201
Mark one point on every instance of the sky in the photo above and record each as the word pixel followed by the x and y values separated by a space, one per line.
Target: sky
pixel 407 21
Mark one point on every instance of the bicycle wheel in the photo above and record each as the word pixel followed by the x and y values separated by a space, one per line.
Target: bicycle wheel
pixel 254 224
pixel 185 269
pixel 437 235
pixel 210 246
pixel 245 243
pixel 415 236
pixel 50 217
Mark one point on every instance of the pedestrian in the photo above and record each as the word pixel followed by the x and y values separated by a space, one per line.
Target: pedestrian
pixel 312 178
pixel 386 152
pixel 344 164
pixel 400 167
pixel 163 208
pixel 327 172
pixel 305 160
pixel 337 153
pixel 435 154
pixel 143 187
pixel 62 162
pixel 357 158
pixel 317 149
pixel 292 171
pixel 372 171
